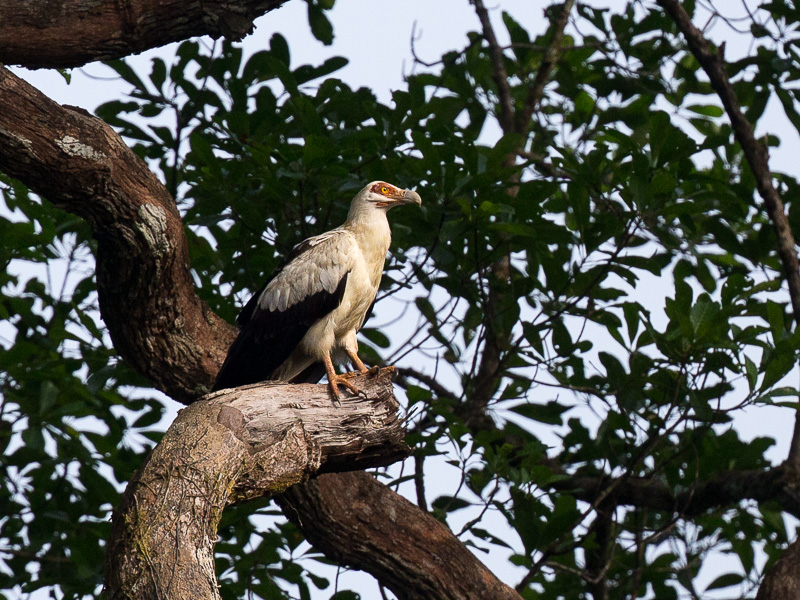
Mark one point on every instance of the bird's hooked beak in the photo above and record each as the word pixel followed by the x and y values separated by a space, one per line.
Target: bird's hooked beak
pixel 402 197
pixel 410 197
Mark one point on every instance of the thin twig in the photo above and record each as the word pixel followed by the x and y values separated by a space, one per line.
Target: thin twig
pixel 499 73
pixel 419 481
pixel 551 56
pixel 403 373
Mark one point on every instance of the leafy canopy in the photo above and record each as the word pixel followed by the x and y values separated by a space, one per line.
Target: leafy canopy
pixel 641 311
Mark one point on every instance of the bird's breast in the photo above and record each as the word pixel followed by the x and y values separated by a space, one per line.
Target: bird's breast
pixel 362 285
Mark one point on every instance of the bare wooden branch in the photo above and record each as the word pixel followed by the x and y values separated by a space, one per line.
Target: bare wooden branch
pixel 499 73
pixel 232 446
pixel 70 33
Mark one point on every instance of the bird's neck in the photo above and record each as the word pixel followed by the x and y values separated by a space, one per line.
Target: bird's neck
pixel 372 232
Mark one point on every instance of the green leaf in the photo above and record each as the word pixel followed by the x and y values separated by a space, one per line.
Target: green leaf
pixel 550 413
pixel 159 73
pixel 751 371
pixel 48 395
pixel 320 25
pixel 707 110
pixel 376 337
pixel 279 48
pixel 449 504
pixel 726 580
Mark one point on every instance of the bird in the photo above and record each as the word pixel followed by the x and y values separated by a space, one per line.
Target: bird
pixel 307 314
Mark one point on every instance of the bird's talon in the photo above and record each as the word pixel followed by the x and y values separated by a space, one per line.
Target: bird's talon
pixel 343 381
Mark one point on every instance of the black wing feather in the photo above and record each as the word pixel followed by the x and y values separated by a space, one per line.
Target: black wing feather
pixel 267 338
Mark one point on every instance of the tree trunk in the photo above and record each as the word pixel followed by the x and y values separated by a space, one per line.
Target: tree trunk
pixel 234 446
pixel 71 33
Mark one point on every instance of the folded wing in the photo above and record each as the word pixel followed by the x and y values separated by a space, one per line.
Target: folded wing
pixel 307 287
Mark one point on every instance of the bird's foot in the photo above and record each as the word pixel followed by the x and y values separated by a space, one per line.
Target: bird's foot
pixel 343 380
pixel 371 371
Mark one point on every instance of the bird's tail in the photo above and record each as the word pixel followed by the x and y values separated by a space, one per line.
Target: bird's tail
pixel 311 374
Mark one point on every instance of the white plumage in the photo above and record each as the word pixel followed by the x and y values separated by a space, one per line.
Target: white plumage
pixel 311 309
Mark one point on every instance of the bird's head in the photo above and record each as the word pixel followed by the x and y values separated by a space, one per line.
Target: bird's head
pixel 380 194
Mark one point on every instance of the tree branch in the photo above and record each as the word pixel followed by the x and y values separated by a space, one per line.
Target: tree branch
pixel 70 33
pixel 755 153
pixel 778 484
pixel 404 374
pixel 407 550
pixel 491 361
pixel 499 73
pixel 233 446
pixel 781 581
pixel 551 57
pixel 147 299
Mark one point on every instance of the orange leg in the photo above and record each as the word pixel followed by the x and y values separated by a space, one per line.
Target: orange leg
pixel 362 368
pixel 357 361
pixel 335 380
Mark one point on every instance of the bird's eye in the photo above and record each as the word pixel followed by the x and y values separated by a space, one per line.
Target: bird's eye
pixel 384 190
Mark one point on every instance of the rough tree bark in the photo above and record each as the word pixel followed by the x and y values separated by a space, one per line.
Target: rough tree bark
pixel 153 315
pixel 71 33
pixel 234 446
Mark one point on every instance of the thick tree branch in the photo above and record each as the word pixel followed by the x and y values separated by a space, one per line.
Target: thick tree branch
pixel 147 299
pixel 70 33
pixel 413 554
pixel 782 581
pixel 779 484
pixel 233 446
pixel 755 153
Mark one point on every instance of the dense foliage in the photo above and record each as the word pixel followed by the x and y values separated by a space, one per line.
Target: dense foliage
pixel 611 255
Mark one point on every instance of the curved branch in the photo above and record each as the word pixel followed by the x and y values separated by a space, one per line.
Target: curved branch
pixel 234 446
pixel 147 298
pixel 413 554
pixel 70 33
pixel 755 153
